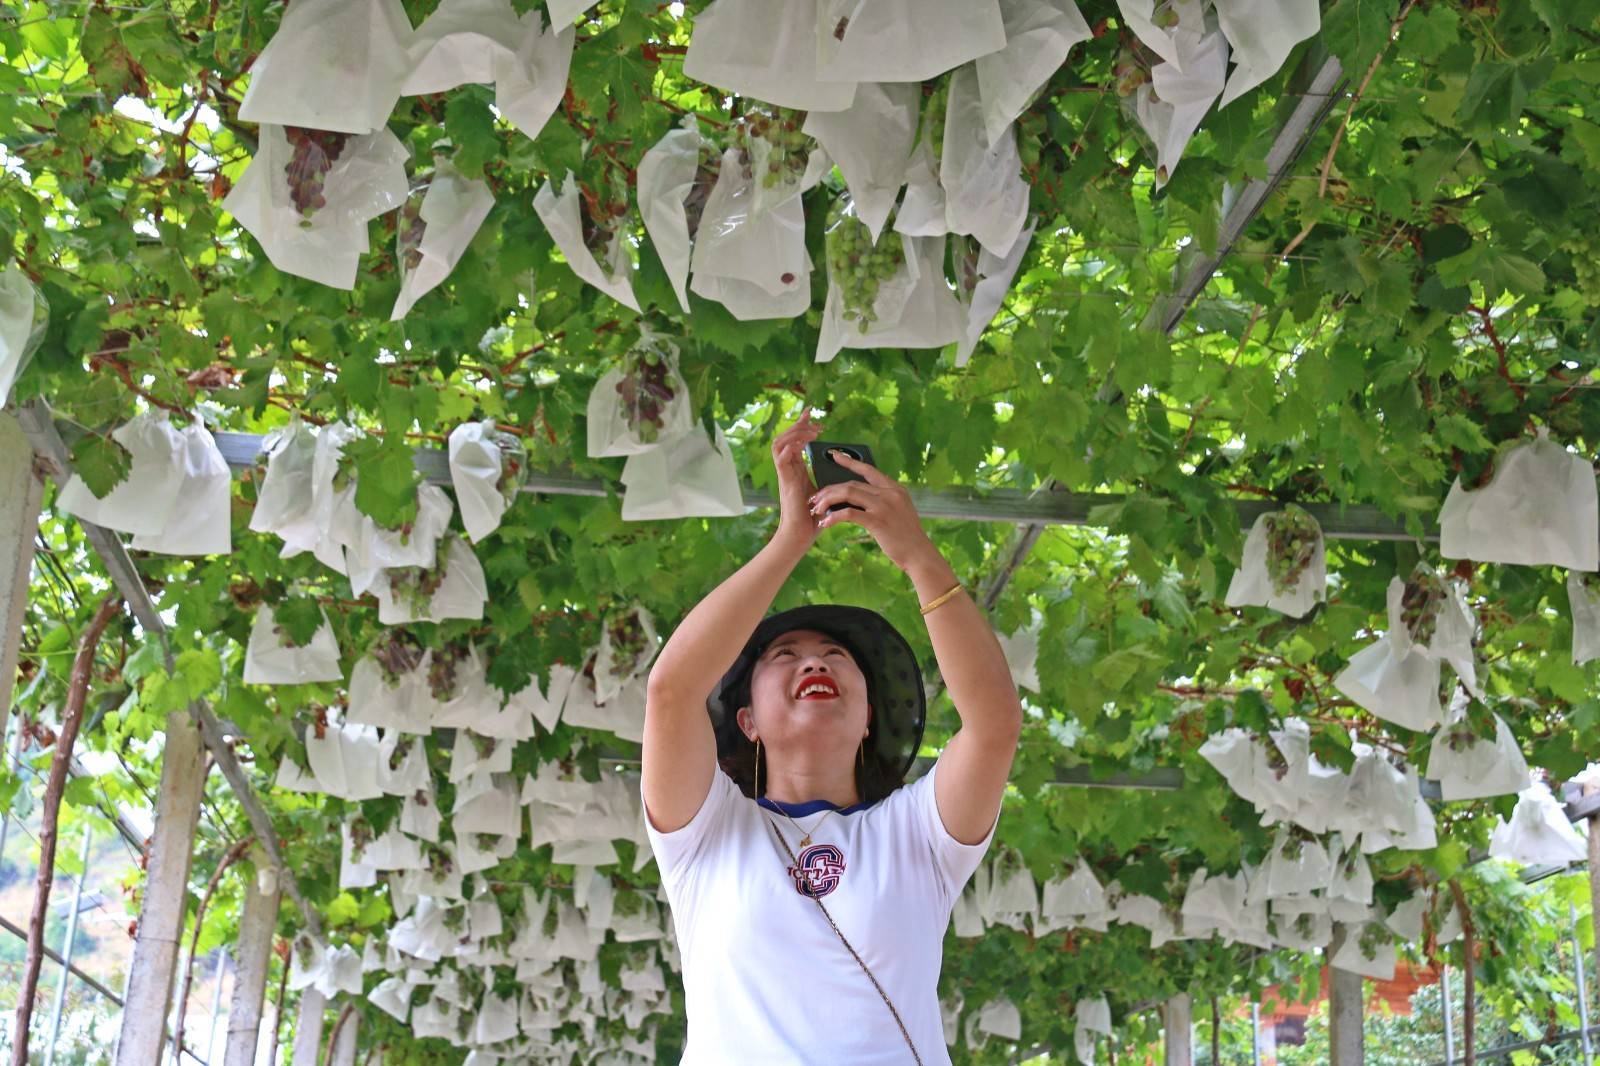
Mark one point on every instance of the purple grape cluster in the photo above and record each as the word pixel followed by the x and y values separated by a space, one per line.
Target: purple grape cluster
pixel 314 153
pixel 646 389
pixel 1292 536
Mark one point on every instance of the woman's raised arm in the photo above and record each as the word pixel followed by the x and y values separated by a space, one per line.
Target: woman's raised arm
pixel 680 752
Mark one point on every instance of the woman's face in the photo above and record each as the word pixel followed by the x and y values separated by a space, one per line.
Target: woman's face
pixel 778 713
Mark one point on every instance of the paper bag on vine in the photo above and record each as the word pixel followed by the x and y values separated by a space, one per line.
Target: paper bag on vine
pixel 274 657
pixel 1417 831
pixel 670 176
pixel 283 482
pixel 437 222
pixel 332 65
pixel 1583 595
pixel 622 714
pixel 686 477
pixel 488 467
pixel 922 208
pixel 24 316
pixel 764 50
pixel 1539 832
pixel 1393 677
pixel 393 997
pixel 1539 509
pixel 486 800
pixel 386 686
pixel 496 1019
pixel 888 294
pixel 982 283
pixel 1092 1016
pixel 1284 566
pixel 1263 33
pixel 420 816
pixel 871 144
pixel 453 588
pixel 1021 650
pixel 375 549
pixel 1468 764
pixel 308 195
pixel 481 42
pixel 402 764
pixel 145 500
pixel 1175 30
pixel 199 522
pixel 999 1017
pixel 1013 898
pixel 1298 866
pixel 628 643
pixel 598 253
pixel 641 402
pixel 1368 949
pixel 344 760
pixel 1039 34
pixel 332 520
pixel 545 703
pixel 457 694
pixel 1168 101
pixel 355 834
pixel 475 754
pixel 752 262
pixel 903 40
pixel 985 194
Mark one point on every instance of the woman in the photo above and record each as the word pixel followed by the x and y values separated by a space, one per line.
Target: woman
pixel 810 891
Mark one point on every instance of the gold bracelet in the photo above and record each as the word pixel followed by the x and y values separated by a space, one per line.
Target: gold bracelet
pixel 940 599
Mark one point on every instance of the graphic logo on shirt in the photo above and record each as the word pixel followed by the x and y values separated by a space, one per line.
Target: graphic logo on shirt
pixel 818 870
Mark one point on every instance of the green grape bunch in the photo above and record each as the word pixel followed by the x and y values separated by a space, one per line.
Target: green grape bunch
pixel 415 586
pixel 646 388
pixel 1292 537
pixel 934 108
pixel 397 654
pixel 442 670
pixel 1584 266
pixel 314 153
pixel 786 148
pixel 513 465
pixel 410 230
pixel 627 643
pixel 360 836
pixel 1420 605
pixel 857 265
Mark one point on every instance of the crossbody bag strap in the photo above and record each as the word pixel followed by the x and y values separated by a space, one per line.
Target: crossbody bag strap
pixel 853 954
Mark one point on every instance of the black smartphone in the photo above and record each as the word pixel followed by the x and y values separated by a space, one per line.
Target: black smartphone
pixel 824 471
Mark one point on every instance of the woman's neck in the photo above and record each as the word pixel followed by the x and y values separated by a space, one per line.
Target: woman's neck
pixel 797 786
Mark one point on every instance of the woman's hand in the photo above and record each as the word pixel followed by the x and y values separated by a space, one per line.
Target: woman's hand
pixel 886 511
pixel 795 522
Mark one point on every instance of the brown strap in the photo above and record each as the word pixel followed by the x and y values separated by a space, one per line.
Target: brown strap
pixel 859 962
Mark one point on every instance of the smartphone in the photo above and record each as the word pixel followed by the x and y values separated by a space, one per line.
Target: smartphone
pixel 824 471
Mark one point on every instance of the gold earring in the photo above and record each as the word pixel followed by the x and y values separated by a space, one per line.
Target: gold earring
pixel 757 794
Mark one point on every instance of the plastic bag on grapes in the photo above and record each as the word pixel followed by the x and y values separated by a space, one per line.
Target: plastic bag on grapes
pixel 200 522
pixel 1169 106
pixel 1175 30
pixel 764 50
pixel 754 264
pixel 1540 509
pixel 871 144
pixel 436 224
pixel 984 192
pixel 332 65
pixel 485 41
pixel 143 501
pixel 903 40
pixel 308 195
pixel 1262 34
pixel 1039 34
pixel 283 492
pixel 1539 832
pixel 1391 677
pixel 1583 593
pixel 628 643
pixel 667 179
pixel 376 548
pixel 928 315
pixel 1290 541
pixel 488 467
pixel 985 278
pixel 270 659
pixel 24 315
pixel 1470 766
pixel 640 403
pixel 560 215
pixel 454 588
pixel 686 477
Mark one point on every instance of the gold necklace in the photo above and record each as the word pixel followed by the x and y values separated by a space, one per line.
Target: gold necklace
pixel 805 839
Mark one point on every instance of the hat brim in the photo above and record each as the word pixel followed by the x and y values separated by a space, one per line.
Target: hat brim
pixel 900 709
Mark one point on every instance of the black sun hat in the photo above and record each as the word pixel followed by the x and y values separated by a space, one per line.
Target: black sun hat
pixel 894 679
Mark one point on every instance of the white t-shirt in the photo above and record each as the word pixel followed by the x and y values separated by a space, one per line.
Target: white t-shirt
pixel 766 979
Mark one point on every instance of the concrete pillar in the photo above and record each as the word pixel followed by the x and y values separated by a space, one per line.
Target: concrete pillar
pixel 1345 1007
pixel 1594 875
pixel 1177 1022
pixel 344 1045
pixel 143 1036
pixel 308 1028
pixel 253 952
pixel 20 490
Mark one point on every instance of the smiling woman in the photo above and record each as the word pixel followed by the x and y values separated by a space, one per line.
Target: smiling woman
pixel 789 788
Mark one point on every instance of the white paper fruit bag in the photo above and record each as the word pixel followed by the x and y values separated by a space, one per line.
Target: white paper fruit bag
pixel 1583 594
pixel 605 263
pixel 871 144
pixel 273 658
pixel 686 477
pixel 284 482
pixel 332 65
pixel 308 195
pixel 488 467
pixel 437 222
pixel 753 262
pixel 144 500
pixel 640 403
pixel 628 644
pixel 668 175
pixel 1262 34
pixel 1539 833
pixel 1539 509
pixel 984 192
pixel 903 40
pixel 1284 565
pixel 454 587
pixel 983 279
pixel 1393 677
pixel 200 521
pixel 764 50
pixel 386 685
pixel 24 314
pixel 1039 34
pixel 1469 764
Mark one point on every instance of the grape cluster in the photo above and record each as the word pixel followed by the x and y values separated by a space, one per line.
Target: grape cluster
pixel 1420 605
pixel 1294 844
pixel 1292 536
pixel 964 252
pixel 484 745
pixel 513 465
pixel 397 655
pixel 439 864
pixel 786 148
pixel 627 643
pixel 646 389
pixel 398 755
pixel 857 265
pixel 1372 940
pixel 442 670
pixel 410 230
pixel 314 153
pixel 360 836
pixel 415 585
pixel 604 219
pixel 1585 266
pixel 933 116
pixel 1275 761
pixel 705 179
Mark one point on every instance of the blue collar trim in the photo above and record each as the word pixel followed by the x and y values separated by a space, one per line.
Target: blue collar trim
pixel 800 810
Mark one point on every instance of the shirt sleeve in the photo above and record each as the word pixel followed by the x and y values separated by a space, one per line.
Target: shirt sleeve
pixel 954 861
pixel 676 851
